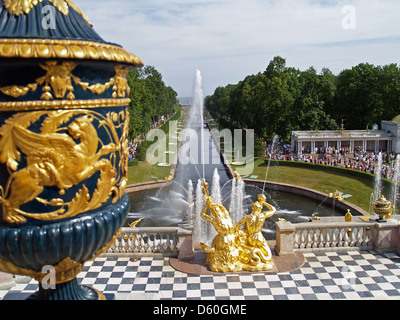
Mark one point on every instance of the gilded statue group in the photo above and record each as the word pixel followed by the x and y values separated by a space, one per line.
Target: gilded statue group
pixel 236 249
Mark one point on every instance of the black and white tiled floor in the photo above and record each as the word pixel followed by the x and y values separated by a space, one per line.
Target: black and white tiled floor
pixel 325 276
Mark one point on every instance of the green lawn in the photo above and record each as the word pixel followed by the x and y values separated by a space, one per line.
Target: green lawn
pixel 314 178
pixel 318 179
pixel 144 172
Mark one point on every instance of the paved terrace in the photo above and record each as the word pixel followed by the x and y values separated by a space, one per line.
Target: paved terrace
pixel 321 276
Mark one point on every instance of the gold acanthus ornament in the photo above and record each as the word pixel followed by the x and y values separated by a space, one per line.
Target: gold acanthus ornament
pixel 65 153
pixel 18 7
pixel 65 49
pixel 58 81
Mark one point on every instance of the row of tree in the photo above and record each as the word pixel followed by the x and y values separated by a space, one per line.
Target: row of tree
pixel 283 99
pixel 151 99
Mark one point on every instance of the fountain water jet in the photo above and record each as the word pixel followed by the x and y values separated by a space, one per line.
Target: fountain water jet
pixel 396 177
pixel 275 141
pixel 237 195
pixel 234 192
pixel 216 189
pixel 378 178
pixel 190 201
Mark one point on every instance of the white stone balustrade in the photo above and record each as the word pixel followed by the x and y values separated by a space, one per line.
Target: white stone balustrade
pixel 333 236
pixel 336 236
pixel 140 242
pixel 325 235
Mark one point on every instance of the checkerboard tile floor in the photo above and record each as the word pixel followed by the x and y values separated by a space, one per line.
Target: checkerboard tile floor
pixel 325 276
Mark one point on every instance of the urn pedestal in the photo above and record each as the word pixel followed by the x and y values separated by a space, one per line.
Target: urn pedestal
pixel 63 145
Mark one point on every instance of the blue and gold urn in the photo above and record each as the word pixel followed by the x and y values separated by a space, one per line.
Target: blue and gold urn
pixel 63 143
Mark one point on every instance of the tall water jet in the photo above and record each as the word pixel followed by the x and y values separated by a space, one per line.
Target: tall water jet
pixel 237 195
pixel 197 230
pixel 216 188
pixel 190 201
pixel 198 107
pixel 378 178
pixel 275 142
pixel 396 176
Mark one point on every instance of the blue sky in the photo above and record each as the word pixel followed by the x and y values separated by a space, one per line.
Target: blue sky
pixel 230 39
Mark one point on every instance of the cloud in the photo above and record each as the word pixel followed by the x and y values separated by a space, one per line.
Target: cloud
pixel 229 39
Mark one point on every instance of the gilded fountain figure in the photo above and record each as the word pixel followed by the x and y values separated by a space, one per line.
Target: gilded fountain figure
pixel 255 253
pixel 235 249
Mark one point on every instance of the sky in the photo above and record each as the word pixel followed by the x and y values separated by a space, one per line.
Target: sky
pixel 228 40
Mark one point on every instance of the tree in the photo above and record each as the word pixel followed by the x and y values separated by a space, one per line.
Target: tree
pixel 150 99
pixel 309 111
pixel 283 99
pixel 358 97
pixel 278 99
pixel 390 90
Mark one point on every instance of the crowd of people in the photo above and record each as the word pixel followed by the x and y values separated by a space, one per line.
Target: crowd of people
pixel 133 145
pixel 136 142
pixel 358 160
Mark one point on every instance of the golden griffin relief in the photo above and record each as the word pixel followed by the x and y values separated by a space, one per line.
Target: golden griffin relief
pixel 66 152
pixel 58 81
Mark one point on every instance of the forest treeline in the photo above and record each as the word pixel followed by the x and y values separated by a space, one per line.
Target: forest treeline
pixel 150 100
pixel 283 99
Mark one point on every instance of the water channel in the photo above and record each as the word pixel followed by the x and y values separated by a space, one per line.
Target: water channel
pixel 198 159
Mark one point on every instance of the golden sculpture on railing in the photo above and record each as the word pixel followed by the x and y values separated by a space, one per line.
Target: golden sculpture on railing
pixel 235 249
pixel 383 208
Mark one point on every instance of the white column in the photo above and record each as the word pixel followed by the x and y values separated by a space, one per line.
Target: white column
pixel 351 149
pixel 312 147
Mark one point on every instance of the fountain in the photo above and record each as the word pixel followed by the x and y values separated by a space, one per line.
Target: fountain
pixel 235 249
pixel 237 196
pixel 216 189
pixel 378 178
pixel 275 141
pixel 396 176
pixel 190 201
pixel 378 203
pixel 234 194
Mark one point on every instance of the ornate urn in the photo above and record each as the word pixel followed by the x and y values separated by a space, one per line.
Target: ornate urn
pixel 383 208
pixel 63 143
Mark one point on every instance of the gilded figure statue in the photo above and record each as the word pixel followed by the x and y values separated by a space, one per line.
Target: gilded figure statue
pixel 235 249
pixel 223 256
pixel 255 252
